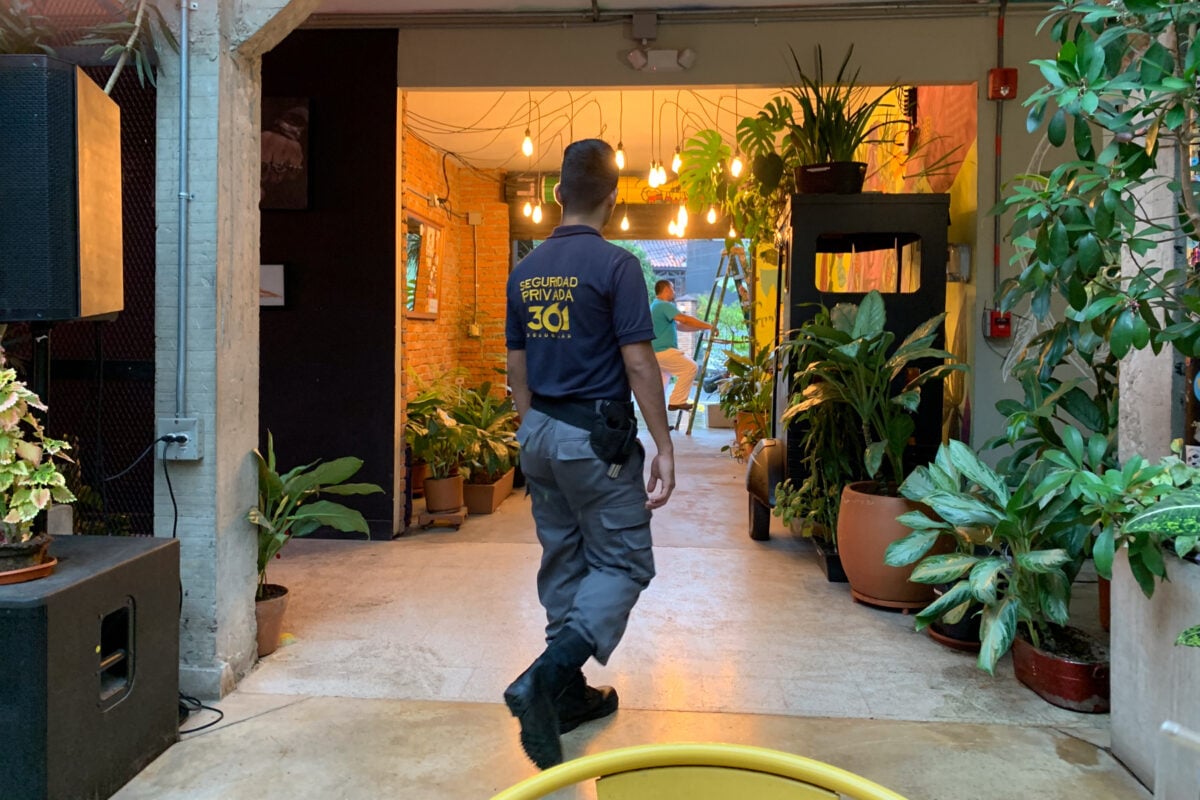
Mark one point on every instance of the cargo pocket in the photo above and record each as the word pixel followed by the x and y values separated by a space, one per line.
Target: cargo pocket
pixel 629 525
pixel 574 449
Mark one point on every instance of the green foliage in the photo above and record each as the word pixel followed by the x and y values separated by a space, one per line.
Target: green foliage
pixel 832 120
pixel 288 504
pixel 1190 637
pixel 29 477
pixel 849 359
pixel 749 388
pixel 134 32
pixel 643 258
pixel 492 447
pixel 1032 549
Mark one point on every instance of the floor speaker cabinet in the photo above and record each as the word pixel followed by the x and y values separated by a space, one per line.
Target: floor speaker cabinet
pixel 61 253
pixel 908 229
pixel 89 668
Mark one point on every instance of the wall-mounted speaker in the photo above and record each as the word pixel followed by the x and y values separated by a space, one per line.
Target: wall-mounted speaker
pixel 61 253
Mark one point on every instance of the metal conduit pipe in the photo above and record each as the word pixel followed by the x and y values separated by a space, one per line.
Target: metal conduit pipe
pixel 185 197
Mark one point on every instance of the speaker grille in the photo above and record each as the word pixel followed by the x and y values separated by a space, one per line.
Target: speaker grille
pixel 39 276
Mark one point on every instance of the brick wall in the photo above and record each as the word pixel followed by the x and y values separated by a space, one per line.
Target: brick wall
pixel 438 347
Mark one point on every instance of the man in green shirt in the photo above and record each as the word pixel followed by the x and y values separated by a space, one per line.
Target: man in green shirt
pixel 671 360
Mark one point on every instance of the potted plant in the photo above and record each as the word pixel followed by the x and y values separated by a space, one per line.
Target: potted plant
pixel 444 393
pixel 746 396
pixel 492 452
pixel 289 506
pixel 440 441
pixel 29 479
pixel 1036 544
pixel 851 362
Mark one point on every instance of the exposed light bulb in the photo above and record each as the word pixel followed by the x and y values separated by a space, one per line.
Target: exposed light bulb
pixel 676 162
pixel 620 155
pixel 528 209
pixel 662 175
pixel 735 166
pixel 712 215
pixel 527 145
pixel 672 228
pixel 652 179
pixel 537 213
pixel 732 233
pixel 683 216
pixel 625 221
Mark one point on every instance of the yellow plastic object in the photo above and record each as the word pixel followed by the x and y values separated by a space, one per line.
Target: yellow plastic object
pixel 701 772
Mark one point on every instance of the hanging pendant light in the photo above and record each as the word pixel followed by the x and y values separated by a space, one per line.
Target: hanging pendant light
pixel 672 228
pixel 625 220
pixel 682 217
pixel 712 215
pixel 620 155
pixel 732 233
pixel 537 213
pixel 676 162
pixel 528 209
pixel 735 166
pixel 527 145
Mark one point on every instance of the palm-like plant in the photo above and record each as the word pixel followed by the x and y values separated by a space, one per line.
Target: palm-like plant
pixel 288 504
pixel 492 450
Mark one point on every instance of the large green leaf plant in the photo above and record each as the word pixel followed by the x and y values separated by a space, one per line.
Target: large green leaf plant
pixel 289 504
pixel 853 362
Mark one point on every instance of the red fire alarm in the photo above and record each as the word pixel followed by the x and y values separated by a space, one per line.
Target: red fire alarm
pixel 1002 83
pixel 999 324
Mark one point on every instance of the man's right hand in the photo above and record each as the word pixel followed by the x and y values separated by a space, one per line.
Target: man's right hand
pixel 662 480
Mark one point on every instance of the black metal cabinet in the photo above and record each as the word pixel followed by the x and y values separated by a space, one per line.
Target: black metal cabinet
pixel 829 223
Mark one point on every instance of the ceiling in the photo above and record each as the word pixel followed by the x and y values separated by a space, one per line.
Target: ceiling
pixel 486 128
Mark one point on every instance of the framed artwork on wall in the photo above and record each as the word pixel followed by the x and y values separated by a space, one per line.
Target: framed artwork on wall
pixel 284 176
pixel 423 261
pixel 270 285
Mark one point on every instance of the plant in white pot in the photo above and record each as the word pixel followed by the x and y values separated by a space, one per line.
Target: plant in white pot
pixel 289 506
pixel 29 478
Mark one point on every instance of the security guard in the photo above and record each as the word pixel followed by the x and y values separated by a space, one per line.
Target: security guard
pixel 578 334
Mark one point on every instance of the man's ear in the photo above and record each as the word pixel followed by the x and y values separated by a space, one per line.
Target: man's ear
pixel 558 193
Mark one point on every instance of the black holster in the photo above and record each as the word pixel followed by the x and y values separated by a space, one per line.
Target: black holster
pixel 611 424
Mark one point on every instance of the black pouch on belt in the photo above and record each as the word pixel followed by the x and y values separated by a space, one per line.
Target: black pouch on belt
pixel 614 433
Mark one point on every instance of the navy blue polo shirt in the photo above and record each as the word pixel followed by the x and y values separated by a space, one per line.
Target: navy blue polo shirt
pixel 572 304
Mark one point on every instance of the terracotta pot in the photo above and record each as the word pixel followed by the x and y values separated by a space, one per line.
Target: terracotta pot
pixel 745 423
pixel 22 555
pixel 444 494
pixel 836 177
pixel 866 526
pixel 416 476
pixel 1070 683
pixel 269 614
pixel 485 498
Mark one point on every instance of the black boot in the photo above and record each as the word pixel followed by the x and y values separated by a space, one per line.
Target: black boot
pixel 580 703
pixel 531 696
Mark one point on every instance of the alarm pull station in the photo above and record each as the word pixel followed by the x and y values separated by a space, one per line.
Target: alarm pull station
pixel 999 324
pixel 1002 83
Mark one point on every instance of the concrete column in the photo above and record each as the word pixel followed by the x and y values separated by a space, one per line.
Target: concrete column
pixel 1147 388
pixel 1152 681
pixel 211 496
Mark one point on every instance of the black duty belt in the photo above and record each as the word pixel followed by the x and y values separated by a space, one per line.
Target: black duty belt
pixel 578 413
pixel 611 425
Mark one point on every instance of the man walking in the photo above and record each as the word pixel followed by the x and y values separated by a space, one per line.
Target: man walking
pixel 671 360
pixel 578 335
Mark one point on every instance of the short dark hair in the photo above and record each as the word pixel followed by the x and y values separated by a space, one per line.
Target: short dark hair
pixel 660 285
pixel 589 174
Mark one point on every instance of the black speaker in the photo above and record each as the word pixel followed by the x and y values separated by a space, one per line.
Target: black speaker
pixel 61 254
pixel 90 659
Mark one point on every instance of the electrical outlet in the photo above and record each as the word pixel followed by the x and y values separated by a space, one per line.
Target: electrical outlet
pixel 188 428
pixel 474 331
pixel 474 217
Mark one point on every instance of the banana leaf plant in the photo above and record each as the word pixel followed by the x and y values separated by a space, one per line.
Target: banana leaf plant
pixel 492 447
pixel 288 504
pixel 852 362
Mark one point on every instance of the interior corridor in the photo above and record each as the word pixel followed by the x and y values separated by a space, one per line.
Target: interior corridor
pixel 390 679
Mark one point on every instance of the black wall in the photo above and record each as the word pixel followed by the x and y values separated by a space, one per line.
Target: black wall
pixel 328 355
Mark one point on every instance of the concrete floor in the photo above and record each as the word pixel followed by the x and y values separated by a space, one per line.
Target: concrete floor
pixel 396 655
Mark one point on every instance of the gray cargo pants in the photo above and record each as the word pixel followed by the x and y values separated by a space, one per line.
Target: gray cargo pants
pixel 594 531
